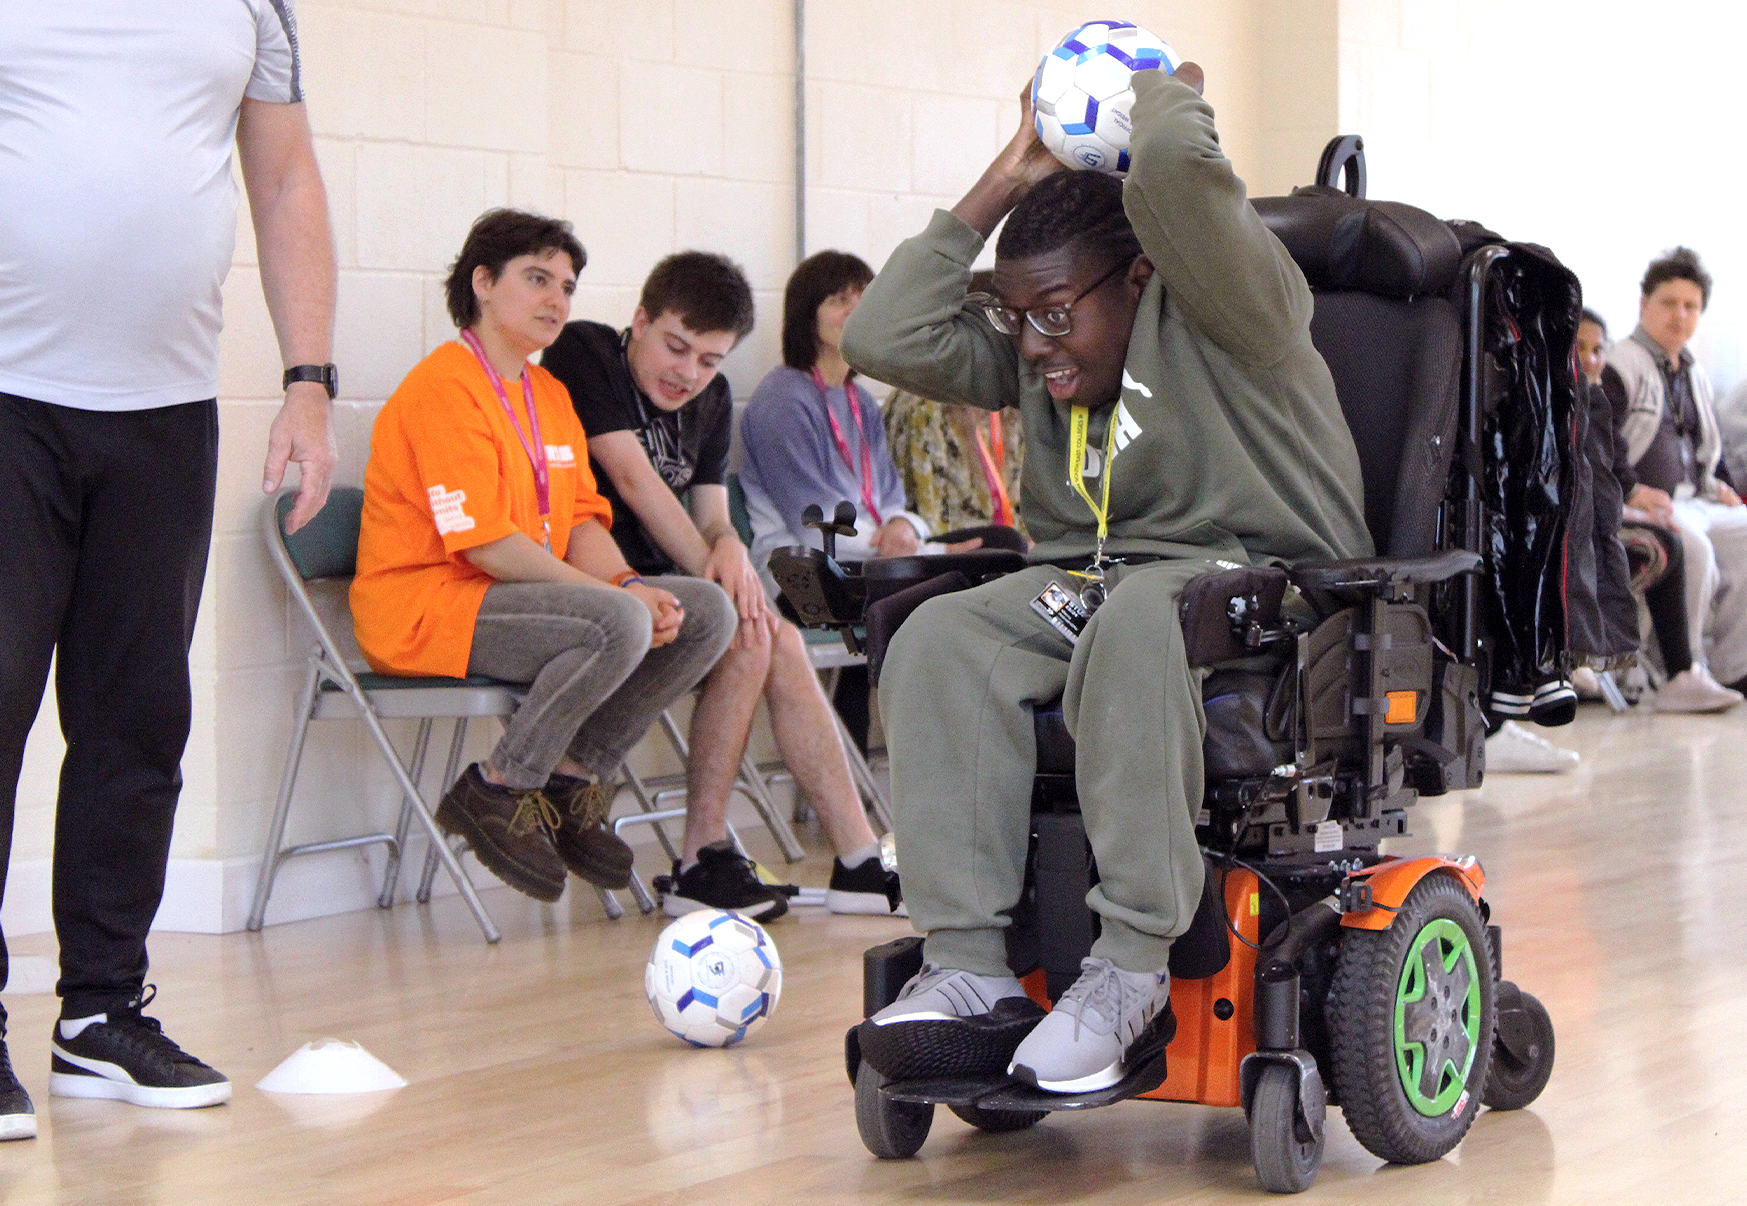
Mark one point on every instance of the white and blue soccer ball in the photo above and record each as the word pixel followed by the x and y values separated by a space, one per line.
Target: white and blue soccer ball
pixel 1084 90
pixel 713 978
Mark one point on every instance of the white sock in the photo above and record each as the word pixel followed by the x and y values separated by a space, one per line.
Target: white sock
pixel 72 1028
pixel 856 858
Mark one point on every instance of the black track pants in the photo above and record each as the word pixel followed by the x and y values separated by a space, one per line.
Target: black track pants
pixel 105 523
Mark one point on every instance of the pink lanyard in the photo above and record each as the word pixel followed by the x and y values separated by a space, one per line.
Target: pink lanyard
pixel 854 399
pixel 536 450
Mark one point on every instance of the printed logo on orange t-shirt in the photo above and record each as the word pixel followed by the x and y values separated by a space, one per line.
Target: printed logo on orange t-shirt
pixel 448 507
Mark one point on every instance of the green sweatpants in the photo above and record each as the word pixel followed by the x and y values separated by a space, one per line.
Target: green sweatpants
pixel 956 697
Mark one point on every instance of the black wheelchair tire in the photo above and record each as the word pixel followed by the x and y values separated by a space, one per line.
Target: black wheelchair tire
pixel 998 1121
pixel 1511 1083
pixel 891 1130
pixel 1361 1010
pixel 1284 1162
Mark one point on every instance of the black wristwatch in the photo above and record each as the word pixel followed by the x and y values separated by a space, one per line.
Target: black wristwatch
pixel 326 374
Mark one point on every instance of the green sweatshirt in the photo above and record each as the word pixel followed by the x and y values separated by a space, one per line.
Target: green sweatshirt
pixel 1231 444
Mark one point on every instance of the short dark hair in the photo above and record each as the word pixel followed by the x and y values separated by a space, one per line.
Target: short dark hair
pixel 1069 207
pixel 499 236
pixel 1589 315
pixel 819 276
pixel 1681 264
pixel 708 291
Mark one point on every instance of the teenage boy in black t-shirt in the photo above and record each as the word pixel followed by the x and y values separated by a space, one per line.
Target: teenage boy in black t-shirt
pixel 658 417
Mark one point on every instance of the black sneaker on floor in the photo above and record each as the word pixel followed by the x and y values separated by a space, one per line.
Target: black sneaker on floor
pixel 17 1115
pixel 866 888
pixel 722 878
pixel 124 1056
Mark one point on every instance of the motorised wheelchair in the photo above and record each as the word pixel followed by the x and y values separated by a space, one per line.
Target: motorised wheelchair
pixel 1318 970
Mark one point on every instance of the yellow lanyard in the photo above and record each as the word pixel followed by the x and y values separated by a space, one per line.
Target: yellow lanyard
pixel 1079 418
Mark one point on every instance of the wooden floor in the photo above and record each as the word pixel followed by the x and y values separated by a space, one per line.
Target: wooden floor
pixel 537 1075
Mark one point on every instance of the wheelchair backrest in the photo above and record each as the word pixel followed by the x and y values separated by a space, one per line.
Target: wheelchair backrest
pixel 1381 273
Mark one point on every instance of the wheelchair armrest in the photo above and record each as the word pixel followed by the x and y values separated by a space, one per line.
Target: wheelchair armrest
pixel 886 615
pixel 1375 573
pixel 889 575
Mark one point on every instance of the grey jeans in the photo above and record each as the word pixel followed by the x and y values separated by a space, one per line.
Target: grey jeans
pixel 594 684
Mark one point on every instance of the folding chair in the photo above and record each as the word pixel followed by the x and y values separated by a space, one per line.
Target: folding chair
pixel 829 655
pixel 324 553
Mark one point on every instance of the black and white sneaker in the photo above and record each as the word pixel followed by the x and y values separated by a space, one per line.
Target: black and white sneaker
pixel 949 1023
pixel 124 1055
pixel 722 878
pixel 17 1115
pixel 866 888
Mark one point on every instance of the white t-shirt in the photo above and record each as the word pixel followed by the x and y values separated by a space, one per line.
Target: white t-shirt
pixel 117 204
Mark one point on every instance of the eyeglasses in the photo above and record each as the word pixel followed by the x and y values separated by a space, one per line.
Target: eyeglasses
pixel 1053 321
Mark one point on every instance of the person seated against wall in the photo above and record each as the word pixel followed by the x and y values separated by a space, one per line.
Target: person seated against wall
pixel 485 550
pixel 1177 415
pixel 959 464
pixel 658 414
pixel 811 434
pixel 1653 545
pixel 1664 408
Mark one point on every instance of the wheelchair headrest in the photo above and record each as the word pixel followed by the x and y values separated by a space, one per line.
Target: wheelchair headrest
pixel 1381 247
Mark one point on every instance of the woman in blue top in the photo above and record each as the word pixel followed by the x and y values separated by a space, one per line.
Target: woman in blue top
pixel 811 434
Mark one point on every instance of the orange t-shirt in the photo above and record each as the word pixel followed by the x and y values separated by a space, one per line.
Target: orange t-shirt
pixel 447 473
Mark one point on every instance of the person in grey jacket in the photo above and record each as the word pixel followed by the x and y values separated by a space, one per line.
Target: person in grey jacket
pixel 1156 339
pixel 1668 420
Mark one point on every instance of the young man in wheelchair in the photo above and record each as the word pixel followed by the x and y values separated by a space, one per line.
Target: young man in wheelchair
pixel 1156 338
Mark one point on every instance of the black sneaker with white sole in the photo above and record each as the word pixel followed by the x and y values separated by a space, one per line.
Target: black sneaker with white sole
pixel 17 1115
pixel 722 878
pixel 125 1056
pixel 865 888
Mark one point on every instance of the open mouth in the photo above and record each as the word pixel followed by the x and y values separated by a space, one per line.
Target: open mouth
pixel 1061 382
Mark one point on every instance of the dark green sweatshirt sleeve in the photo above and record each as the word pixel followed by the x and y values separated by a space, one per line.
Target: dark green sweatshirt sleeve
pixel 913 329
pixel 1221 267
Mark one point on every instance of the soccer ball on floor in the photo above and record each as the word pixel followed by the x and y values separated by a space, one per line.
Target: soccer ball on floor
pixel 1083 91
pixel 713 978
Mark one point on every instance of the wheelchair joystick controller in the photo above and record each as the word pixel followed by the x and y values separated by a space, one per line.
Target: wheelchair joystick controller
pixel 841 523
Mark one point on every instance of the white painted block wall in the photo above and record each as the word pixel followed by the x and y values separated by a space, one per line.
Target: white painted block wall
pixel 654 125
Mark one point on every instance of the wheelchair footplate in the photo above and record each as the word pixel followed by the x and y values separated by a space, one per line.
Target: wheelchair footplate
pixel 1002 1092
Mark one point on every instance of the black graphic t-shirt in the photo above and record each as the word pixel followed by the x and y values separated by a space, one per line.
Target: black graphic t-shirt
pixel 688 446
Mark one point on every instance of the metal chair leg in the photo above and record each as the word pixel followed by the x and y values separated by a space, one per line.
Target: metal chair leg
pixel 287 781
pixel 450 863
pixel 391 873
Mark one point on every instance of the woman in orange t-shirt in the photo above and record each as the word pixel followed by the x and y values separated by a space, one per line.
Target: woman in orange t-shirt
pixel 485 550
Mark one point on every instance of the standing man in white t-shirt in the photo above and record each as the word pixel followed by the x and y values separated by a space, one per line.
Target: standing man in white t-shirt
pixel 117 220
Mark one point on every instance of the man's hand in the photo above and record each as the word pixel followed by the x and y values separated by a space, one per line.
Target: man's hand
pixel 1654 503
pixel 896 538
pixel 664 610
pixel 730 568
pixel 1727 496
pixel 303 433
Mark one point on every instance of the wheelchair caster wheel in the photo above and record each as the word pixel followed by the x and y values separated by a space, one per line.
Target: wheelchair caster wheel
pixel 1283 1148
pixel 1522 1051
pixel 891 1130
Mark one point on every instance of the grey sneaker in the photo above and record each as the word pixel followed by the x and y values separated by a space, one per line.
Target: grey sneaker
pixel 1084 1044
pixel 948 1023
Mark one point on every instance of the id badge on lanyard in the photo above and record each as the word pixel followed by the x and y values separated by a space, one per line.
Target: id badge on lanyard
pixel 533 443
pixel 854 399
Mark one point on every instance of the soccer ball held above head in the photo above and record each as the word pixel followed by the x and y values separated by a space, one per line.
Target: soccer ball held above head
pixel 1084 89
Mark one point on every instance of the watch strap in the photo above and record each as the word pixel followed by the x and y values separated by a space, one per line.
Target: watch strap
pixel 324 375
